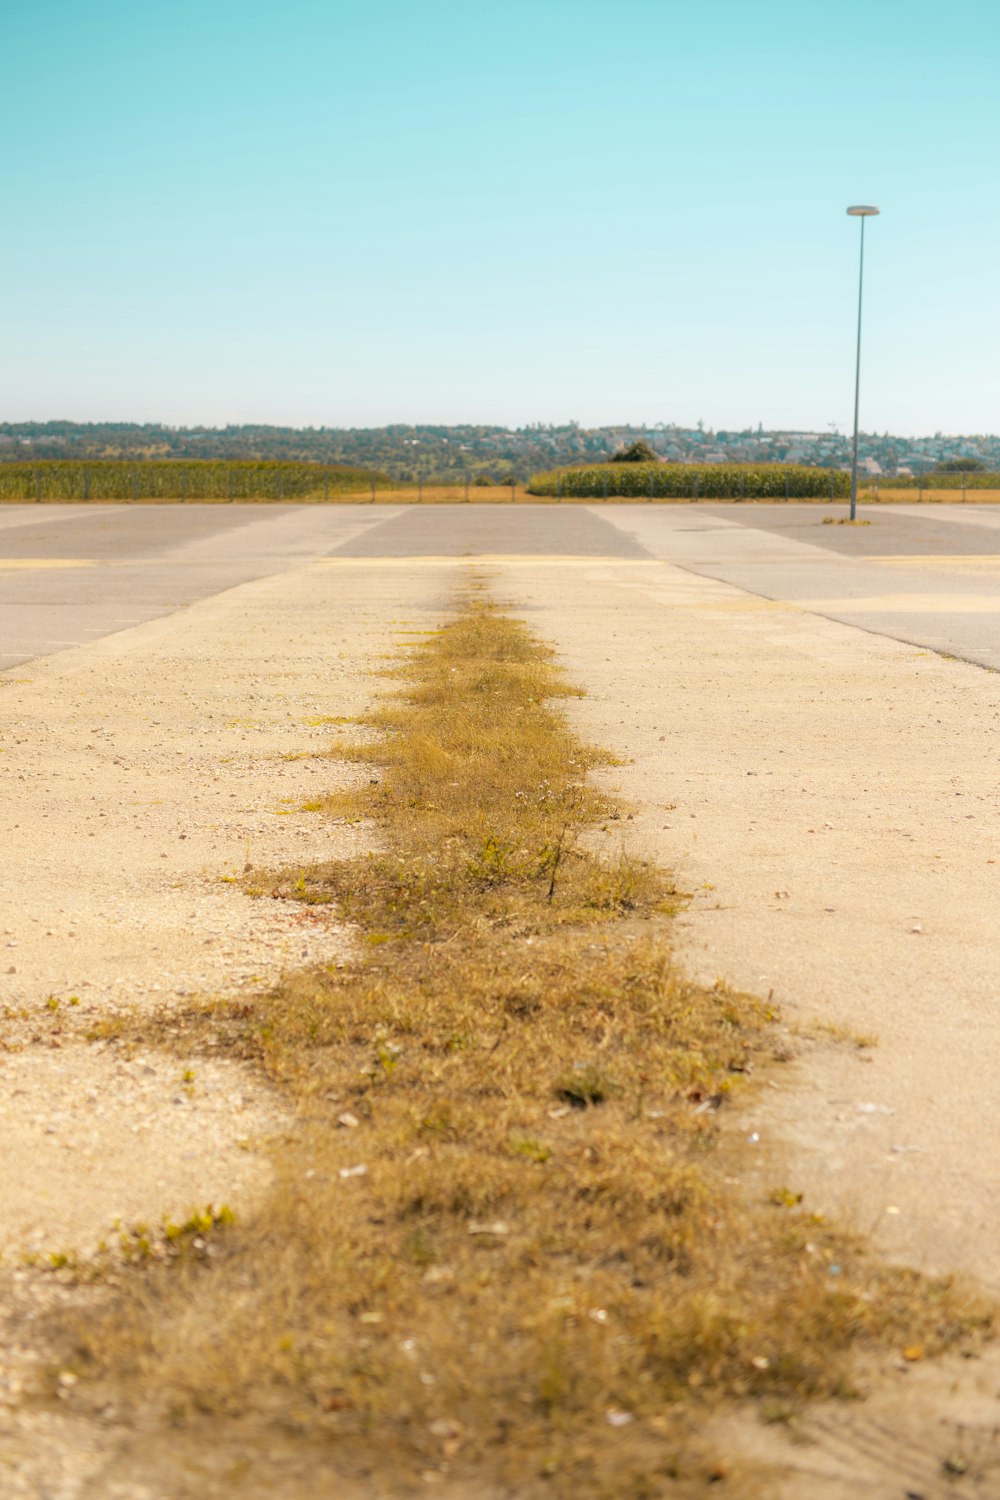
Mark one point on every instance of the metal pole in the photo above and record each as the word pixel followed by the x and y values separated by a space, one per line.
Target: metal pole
pixel 857 377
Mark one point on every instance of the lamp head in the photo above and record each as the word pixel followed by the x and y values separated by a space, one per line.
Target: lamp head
pixel 862 211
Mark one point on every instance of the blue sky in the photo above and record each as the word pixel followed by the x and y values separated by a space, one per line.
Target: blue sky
pixel 421 210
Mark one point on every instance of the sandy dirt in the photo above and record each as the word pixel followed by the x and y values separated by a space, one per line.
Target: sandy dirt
pixel 140 775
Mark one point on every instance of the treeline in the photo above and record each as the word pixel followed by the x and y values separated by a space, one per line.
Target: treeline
pixel 166 479
pixel 440 454
pixel 428 452
pixel 651 481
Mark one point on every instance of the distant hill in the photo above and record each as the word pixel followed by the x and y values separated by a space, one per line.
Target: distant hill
pixel 447 453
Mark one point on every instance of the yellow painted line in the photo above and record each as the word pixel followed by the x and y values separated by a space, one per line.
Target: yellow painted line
pixel 988 561
pixel 900 604
pixel 751 605
pixel 45 562
pixel 733 602
pixel 527 559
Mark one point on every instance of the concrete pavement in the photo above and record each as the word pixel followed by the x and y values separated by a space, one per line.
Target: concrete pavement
pixel 74 573
pixel 828 792
pixel 922 574
pixel 925 574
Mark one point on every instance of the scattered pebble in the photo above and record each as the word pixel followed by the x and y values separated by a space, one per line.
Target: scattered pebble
pixel 616 1418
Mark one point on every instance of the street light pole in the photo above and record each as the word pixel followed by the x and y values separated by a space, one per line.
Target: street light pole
pixel 860 211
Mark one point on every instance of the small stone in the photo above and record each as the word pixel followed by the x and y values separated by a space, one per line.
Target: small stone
pixel 444 1429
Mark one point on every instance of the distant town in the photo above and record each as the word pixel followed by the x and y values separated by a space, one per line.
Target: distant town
pixel 498 453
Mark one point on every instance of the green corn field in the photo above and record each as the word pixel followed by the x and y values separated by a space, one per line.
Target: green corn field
pixel 177 479
pixel 693 482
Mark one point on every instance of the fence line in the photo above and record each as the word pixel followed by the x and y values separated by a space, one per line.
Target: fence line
pixel 167 480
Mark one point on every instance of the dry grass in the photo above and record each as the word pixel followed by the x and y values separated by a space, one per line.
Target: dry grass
pixel 459 494
pixel 502 1243
pixel 888 495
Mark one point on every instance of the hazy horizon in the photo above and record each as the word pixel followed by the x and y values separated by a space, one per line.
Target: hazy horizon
pixel 632 425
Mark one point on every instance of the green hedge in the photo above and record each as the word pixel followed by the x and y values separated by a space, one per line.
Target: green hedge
pixel 177 479
pixel 694 482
